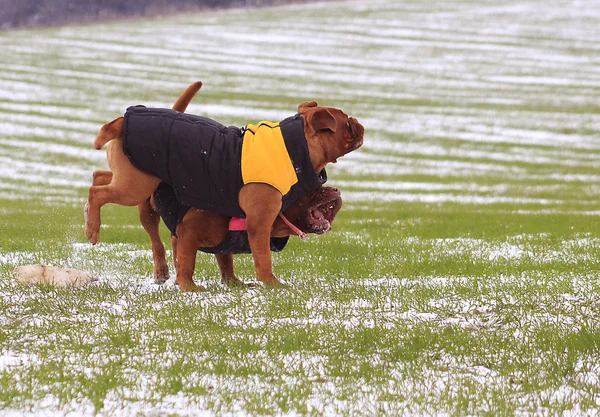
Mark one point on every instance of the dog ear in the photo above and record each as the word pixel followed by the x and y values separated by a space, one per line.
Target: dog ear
pixel 322 119
pixel 307 104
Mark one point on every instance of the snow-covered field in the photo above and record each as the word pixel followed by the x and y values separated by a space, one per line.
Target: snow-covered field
pixel 453 92
pixel 462 275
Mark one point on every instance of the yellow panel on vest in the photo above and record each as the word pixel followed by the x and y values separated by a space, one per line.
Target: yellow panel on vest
pixel 265 158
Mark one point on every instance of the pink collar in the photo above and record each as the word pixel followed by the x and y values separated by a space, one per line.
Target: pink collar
pixel 237 224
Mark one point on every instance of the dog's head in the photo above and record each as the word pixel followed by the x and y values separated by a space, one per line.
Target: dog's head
pixel 337 133
pixel 315 211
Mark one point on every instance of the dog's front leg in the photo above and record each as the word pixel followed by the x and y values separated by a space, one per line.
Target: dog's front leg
pixel 261 203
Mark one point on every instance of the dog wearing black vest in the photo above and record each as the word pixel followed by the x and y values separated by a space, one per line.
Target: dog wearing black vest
pixel 270 168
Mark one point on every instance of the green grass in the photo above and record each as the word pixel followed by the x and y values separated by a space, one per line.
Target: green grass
pixel 368 304
pixel 462 275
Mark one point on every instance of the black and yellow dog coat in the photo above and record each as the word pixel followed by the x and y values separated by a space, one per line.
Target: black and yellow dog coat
pixel 206 163
pixel 235 242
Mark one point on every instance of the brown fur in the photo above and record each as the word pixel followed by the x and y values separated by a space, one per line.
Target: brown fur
pixel 329 133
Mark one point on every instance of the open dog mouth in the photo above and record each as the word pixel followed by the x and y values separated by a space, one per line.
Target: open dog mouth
pixel 321 210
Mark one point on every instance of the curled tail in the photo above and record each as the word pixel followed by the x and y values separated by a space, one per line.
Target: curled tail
pixel 114 129
pixel 186 97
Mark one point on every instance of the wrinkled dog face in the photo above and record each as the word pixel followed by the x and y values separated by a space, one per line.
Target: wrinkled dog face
pixel 346 132
pixel 319 208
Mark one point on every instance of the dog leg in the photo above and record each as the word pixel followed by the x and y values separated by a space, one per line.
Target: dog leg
pixel 225 262
pixel 174 246
pixel 185 248
pixel 150 220
pixel 185 260
pixel 228 278
pixel 129 187
pixel 262 204
pixel 101 177
pixel 102 194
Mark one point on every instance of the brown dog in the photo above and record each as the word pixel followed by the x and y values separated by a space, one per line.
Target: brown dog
pixel 313 213
pixel 327 134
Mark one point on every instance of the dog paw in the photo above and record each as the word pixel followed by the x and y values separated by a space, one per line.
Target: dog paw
pixel 189 286
pixel 279 286
pixel 161 273
pixel 91 235
pixel 235 282
pixel 193 288
pixel 161 279
pixel 271 281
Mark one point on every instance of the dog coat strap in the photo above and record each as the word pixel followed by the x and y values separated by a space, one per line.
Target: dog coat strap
pixel 237 224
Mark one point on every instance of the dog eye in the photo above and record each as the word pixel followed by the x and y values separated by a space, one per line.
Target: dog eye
pixel 350 130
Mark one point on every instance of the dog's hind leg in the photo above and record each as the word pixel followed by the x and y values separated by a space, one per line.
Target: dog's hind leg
pixel 225 261
pixel 228 277
pixel 129 187
pixel 150 219
pixel 185 249
pixel 185 261
pixel 101 177
pixel 174 247
pixel 103 194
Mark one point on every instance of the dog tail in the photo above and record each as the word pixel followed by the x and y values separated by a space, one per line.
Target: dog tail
pixel 184 99
pixel 114 129
pixel 110 131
